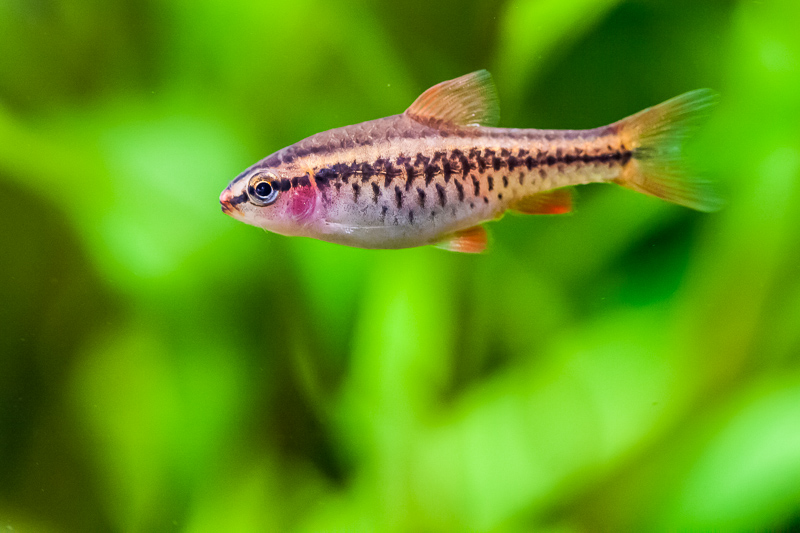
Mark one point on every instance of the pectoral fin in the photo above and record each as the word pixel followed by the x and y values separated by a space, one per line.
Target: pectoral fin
pixel 555 202
pixel 469 241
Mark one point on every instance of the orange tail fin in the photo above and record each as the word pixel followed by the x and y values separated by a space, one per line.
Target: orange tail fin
pixel 656 135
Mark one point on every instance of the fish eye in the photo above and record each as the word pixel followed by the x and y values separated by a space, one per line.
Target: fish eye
pixel 261 189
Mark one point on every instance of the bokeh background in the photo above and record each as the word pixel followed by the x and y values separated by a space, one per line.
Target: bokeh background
pixel 632 366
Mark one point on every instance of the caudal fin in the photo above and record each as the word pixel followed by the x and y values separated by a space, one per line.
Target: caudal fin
pixel 656 136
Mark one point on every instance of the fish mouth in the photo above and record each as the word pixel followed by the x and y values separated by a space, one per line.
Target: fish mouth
pixel 226 201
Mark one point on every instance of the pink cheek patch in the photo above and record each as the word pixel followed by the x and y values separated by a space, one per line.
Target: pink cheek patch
pixel 303 202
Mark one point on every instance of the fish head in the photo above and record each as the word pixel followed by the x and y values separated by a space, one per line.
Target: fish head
pixel 275 199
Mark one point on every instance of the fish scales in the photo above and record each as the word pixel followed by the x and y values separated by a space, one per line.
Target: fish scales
pixel 424 176
pixel 397 170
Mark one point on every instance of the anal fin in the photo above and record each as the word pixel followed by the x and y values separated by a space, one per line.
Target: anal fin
pixel 555 202
pixel 469 241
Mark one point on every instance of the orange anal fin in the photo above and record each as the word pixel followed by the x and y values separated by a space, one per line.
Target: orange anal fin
pixel 469 241
pixel 555 202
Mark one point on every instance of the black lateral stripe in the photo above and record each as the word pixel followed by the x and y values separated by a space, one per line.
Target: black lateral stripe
pixel 356 191
pixel 477 185
pixel 505 181
pixel 530 162
pixel 430 172
pixel 490 181
pixel 344 171
pixel 391 170
pixel 465 165
pixel 324 176
pixel 236 200
pixel 481 163
pixel 376 192
pixel 410 175
pixel 421 194
pixel 446 170
pixel 367 171
pixel 398 195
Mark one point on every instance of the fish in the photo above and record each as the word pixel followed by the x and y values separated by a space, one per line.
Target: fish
pixel 435 173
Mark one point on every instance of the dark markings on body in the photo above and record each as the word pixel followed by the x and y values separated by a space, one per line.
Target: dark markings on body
pixel 454 163
pixel 460 189
pixel 440 192
pixel 446 170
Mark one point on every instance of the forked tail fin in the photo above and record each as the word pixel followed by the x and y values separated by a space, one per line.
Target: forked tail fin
pixel 656 136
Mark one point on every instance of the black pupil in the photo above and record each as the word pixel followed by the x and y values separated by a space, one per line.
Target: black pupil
pixel 263 189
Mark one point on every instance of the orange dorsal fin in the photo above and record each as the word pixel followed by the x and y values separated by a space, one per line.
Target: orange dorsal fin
pixel 555 202
pixel 469 241
pixel 470 100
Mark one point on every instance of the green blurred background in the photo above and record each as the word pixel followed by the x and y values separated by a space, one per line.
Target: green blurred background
pixel 632 366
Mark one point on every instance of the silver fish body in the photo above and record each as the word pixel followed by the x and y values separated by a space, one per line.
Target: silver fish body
pixel 433 174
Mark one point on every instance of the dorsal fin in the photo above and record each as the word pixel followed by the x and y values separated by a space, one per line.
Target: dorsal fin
pixel 470 100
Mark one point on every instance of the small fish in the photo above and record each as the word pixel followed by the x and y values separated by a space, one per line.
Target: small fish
pixel 434 173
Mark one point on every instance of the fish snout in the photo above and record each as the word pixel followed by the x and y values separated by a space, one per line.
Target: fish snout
pixel 226 201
